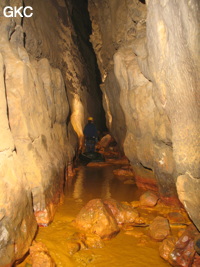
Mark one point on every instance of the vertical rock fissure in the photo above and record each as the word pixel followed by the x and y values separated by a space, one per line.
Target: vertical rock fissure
pixel 7 108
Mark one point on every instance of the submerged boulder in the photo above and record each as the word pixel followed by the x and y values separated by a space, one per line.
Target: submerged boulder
pixel 97 218
pixel 159 229
pixel 72 247
pixel 122 213
pixel 40 256
pixel 86 240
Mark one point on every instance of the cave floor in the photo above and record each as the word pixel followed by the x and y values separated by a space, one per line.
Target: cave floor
pixel 136 250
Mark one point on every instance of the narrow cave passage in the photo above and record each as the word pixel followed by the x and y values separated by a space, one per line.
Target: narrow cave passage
pixel 134 67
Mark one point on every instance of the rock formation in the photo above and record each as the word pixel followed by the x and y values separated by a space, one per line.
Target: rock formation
pixel 45 99
pixel 149 59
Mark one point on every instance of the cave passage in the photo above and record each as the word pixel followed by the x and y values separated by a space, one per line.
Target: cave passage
pixel 133 66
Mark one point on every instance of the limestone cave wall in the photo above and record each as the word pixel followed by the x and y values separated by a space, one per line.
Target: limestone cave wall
pixel 45 97
pixel 148 56
pixel 149 60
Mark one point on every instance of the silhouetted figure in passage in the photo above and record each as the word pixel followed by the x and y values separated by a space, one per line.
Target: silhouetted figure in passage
pixel 90 133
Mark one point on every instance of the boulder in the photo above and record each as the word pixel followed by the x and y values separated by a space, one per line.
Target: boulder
pixel 105 140
pixel 122 213
pixel 167 247
pixel 149 199
pixel 87 240
pixel 97 218
pixel 92 241
pixel 159 229
pixel 72 247
pixel 184 253
pixel 40 256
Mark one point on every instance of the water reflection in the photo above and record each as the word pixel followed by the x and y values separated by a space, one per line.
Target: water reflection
pixel 93 182
pixel 78 187
pixel 105 193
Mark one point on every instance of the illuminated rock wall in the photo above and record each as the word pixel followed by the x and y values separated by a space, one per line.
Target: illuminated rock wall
pixel 43 81
pixel 149 58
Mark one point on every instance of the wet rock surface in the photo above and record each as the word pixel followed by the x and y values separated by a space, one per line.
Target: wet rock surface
pixel 105 141
pixel 149 199
pixel 159 229
pixel 121 212
pixel 184 252
pixel 167 247
pixel 39 256
pixel 72 247
pixel 87 240
pixel 96 218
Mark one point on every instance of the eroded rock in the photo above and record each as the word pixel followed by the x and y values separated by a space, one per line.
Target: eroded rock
pixel 167 246
pixel 97 218
pixel 122 213
pixel 40 256
pixel 105 141
pixel 184 253
pixel 159 229
pixel 72 247
pixel 149 199
pixel 86 240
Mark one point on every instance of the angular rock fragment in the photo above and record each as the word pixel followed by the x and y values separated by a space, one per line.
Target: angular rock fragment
pixel 149 199
pixel 159 229
pixel 122 213
pixel 96 218
pixel 40 256
pixel 184 253
pixel 167 247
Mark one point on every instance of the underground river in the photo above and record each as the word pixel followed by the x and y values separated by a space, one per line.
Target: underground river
pixel 129 248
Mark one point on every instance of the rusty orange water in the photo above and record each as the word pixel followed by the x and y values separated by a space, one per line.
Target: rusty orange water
pixel 123 250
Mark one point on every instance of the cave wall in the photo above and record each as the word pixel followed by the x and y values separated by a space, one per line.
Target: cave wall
pixel 58 21
pixel 173 33
pixel 44 89
pixel 148 55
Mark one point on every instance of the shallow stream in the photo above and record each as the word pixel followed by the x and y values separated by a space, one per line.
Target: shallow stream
pixel 123 250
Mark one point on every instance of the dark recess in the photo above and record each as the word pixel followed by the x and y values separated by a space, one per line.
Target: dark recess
pixel 83 28
pixel 142 1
